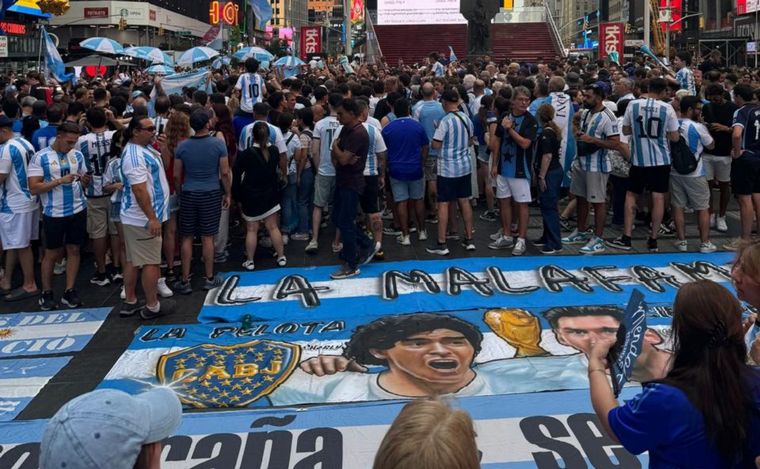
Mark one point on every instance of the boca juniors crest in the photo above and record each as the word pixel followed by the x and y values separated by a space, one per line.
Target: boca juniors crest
pixel 216 376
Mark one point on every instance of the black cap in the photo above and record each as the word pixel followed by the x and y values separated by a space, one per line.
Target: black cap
pixel 5 121
pixel 450 96
pixel 199 119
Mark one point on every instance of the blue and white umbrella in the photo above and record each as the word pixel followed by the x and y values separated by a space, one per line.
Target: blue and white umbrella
pixel 151 54
pixel 262 55
pixel 289 65
pixel 197 54
pixel 219 61
pixel 160 69
pixel 103 45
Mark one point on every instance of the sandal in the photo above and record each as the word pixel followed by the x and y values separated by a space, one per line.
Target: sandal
pixel 19 294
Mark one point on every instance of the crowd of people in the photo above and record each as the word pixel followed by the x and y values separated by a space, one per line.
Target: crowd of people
pixel 139 175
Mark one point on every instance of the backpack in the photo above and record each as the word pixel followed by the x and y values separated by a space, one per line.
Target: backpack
pixel 684 161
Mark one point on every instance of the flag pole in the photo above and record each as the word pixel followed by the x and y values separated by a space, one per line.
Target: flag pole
pixel 39 53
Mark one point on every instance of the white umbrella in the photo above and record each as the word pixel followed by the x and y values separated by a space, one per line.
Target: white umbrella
pixel 219 61
pixel 160 69
pixel 262 55
pixel 196 54
pixel 151 54
pixel 103 45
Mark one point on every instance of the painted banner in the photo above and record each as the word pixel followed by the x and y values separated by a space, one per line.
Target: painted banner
pixel 545 431
pixel 611 39
pixel 302 294
pixel 311 41
pixel 175 84
pixel 21 379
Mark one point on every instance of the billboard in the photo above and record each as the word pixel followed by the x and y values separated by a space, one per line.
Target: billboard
pixel 311 41
pixel 610 39
pixel 676 11
pixel 419 12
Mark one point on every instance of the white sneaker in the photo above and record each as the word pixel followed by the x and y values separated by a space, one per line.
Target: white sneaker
pixel 282 261
pixel 60 267
pixel 713 218
pixel 249 265
pixel 336 248
pixel 404 240
pixel 312 247
pixel 720 224
pixel 519 249
pixel 123 294
pixel 163 290
pixel 497 236
pixel 422 235
pixel 504 242
pixel 708 247
pixel 682 245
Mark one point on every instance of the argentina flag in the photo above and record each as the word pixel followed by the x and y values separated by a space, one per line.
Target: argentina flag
pixel 53 62
pixel 22 379
pixel 263 11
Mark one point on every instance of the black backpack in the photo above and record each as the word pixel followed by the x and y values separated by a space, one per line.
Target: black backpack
pixel 684 161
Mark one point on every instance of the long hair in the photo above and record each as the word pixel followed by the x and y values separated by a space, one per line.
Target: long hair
pixel 709 366
pixel 177 130
pixel 546 118
pixel 428 434
pixel 486 104
pixel 748 259
pixel 224 125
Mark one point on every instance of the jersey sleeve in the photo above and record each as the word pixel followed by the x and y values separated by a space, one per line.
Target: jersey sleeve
pixel 6 165
pixel 34 168
pixel 641 424
pixel 611 128
pixel 530 131
pixel 380 141
pixel 704 135
pixel 84 148
pixel 628 117
pixel 81 166
pixel 279 142
pixel 671 121
pixel 239 84
pixel 134 169
pixel 738 119
pixel 442 130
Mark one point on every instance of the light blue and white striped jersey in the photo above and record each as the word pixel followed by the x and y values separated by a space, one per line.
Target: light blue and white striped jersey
pixel 96 148
pixel 601 125
pixel 685 78
pixel 438 69
pixel 650 121
pixel 159 122
pixel 563 117
pixel 113 175
pixel 293 144
pixel 429 114
pixel 455 132
pixel 325 131
pixel 251 86
pixel 66 199
pixel 139 165
pixel 275 138
pixel 376 145
pixel 697 137
pixel 16 197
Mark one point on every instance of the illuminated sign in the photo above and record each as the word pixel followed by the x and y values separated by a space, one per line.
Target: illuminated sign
pixel 226 12
pixel 13 28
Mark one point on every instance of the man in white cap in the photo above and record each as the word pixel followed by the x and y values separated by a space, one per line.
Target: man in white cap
pixel 107 428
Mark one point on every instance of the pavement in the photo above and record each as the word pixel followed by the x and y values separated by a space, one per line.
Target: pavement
pixel 87 369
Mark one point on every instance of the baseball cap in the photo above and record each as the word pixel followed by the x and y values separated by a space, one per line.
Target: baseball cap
pixel 107 428
pixel 199 119
pixel 5 121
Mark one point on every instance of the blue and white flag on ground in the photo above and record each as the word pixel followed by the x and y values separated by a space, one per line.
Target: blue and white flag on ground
pixel 262 10
pixel 22 379
pixel 452 55
pixel 53 62
pixel 198 79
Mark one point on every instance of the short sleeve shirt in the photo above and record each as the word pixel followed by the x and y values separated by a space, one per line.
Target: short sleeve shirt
pixel 454 132
pixel 65 199
pixel 15 196
pixel 513 159
pixel 143 165
pixel 600 125
pixel 355 140
pixel 697 137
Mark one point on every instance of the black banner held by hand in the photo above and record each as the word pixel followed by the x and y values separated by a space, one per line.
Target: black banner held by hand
pixel 630 339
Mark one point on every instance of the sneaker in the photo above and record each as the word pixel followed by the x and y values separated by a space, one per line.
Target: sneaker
pixel 47 301
pixel 594 246
pixel 468 245
pixel 720 224
pixel 576 237
pixel 504 242
pixel 130 309
pixel 100 280
pixel 380 254
pixel 412 229
pixel 285 239
pixel 182 287
pixel 165 307
pixel 540 242
pixel 71 299
pixel 370 254
pixel 387 214
pixel 336 248
pixel 345 271
pixel 404 240
pixel 249 265
pixel 713 220
pixel 666 231
pixel 488 215
pixel 60 267
pixel 497 236
pixel 621 243
pixel 652 245
pixel 391 231
pixel 163 290
pixel 438 248
pixel 520 247
pixel 432 219
pixel 682 245
pixel 117 276
pixel 422 235
pixel 547 250
pixel 123 293
pixel 221 258
pixel 213 282
pixel 312 247
pixel 707 248
pixel 453 236
pixel 732 245
pixel 282 261
pixel 301 237
pixel 565 224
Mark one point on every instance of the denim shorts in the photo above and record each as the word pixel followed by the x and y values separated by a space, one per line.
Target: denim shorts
pixel 405 190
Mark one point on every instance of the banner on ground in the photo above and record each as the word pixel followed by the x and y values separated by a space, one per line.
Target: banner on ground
pixel 303 294
pixel 546 430
pixel 21 379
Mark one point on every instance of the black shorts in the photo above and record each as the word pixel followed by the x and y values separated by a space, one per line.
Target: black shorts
pixel 651 178
pixel 369 200
pixel 450 189
pixel 745 176
pixel 71 230
pixel 199 213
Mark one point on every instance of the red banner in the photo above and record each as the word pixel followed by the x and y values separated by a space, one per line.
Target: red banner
pixel 311 41
pixel 676 11
pixel 611 39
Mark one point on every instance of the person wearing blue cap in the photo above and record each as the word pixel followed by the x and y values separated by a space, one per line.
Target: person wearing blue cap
pixel 107 428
